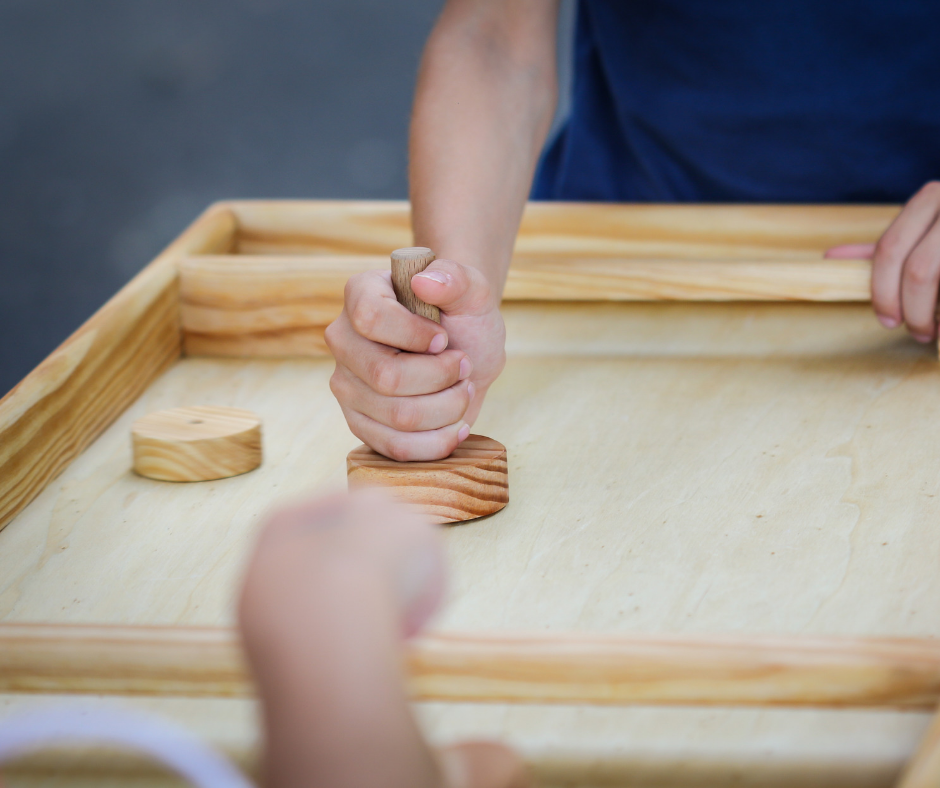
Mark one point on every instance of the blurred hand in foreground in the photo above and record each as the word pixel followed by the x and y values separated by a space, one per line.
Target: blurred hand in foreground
pixel 334 587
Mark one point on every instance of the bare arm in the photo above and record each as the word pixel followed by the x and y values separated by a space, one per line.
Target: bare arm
pixel 333 587
pixel 485 99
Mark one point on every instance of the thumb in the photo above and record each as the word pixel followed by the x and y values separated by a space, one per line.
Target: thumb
pixel 456 289
pixel 482 765
pixel 851 252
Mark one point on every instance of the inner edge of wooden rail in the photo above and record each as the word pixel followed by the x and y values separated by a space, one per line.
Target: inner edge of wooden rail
pixel 279 306
pixel 560 668
pixel 556 277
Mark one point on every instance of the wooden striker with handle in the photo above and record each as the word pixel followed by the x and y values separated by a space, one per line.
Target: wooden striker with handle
pixel 473 481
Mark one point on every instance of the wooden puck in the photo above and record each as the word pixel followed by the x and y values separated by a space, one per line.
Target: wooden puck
pixel 473 482
pixel 196 444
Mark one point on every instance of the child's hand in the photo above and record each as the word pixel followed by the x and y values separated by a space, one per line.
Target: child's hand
pixel 331 591
pixel 905 275
pixel 419 404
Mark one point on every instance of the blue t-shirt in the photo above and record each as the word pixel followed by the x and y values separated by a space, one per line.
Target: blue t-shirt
pixel 750 100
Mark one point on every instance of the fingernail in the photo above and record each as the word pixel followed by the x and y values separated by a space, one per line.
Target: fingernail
pixel 435 276
pixel 888 322
pixel 471 390
pixel 463 433
pixel 438 343
pixel 923 337
pixel 465 368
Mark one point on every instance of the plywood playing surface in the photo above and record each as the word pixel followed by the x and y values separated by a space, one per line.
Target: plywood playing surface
pixel 725 468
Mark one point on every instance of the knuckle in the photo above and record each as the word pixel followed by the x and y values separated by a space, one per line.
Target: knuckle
pixel 398 449
pixel 920 271
pixel 931 189
pixel 330 336
pixel 353 286
pixel 417 335
pixel 405 416
pixel 887 249
pixel 364 315
pixel 386 376
pixel 337 383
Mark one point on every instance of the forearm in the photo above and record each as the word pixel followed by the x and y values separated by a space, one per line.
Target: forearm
pixel 485 99
pixel 330 674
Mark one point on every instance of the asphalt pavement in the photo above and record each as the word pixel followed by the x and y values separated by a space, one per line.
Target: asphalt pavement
pixel 120 121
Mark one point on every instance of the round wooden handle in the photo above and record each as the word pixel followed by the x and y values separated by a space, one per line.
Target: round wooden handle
pixel 405 264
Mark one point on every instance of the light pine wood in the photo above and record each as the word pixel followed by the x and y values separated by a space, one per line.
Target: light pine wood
pixel 123 660
pixel 239 282
pixel 472 482
pixel 575 278
pixel 923 771
pixel 262 302
pixel 706 415
pixel 65 403
pixel 501 667
pixel 196 443
pixel 406 263
pixel 584 230
pixel 767 469
pixel 273 306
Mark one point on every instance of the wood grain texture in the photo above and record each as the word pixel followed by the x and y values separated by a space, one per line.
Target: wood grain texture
pixel 786 484
pixel 472 482
pixel 501 667
pixel 269 306
pixel 277 294
pixel 196 443
pixel 121 660
pixel 638 231
pixel 576 278
pixel 766 469
pixel 65 403
pixel 406 263
pixel 280 306
pixel 923 770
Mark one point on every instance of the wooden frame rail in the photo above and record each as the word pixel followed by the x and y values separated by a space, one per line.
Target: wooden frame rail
pixel 283 281
pixel 246 305
pixel 502 667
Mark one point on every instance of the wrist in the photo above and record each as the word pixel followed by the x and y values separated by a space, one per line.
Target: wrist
pixel 492 266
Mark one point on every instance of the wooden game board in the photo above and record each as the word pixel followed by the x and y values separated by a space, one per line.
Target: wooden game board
pixel 719 561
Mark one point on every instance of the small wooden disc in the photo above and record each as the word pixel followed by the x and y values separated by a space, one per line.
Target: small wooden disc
pixel 196 444
pixel 473 482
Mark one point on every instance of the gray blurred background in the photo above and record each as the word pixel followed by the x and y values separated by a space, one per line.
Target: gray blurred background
pixel 120 121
